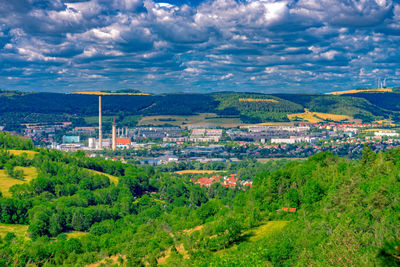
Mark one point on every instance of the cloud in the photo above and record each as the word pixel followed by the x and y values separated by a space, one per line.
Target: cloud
pixel 257 45
pixel 227 76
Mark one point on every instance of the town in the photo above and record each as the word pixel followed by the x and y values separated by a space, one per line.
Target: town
pixel 209 143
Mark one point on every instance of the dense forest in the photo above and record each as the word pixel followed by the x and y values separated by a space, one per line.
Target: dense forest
pixel 344 212
pixel 18 107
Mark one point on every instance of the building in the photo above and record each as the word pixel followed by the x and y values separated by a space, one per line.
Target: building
pixel 123 142
pixel 84 130
pixel 206 135
pixel 387 133
pixel 67 139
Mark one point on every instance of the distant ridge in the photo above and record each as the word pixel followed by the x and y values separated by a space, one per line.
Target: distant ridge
pixel 361 91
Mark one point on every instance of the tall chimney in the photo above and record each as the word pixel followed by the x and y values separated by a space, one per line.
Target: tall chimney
pixel 100 130
pixel 114 140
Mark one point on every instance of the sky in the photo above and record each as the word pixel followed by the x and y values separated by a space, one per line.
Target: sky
pixel 157 46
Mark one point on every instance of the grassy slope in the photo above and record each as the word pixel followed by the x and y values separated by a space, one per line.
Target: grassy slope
pixel 113 179
pixel 6 181
pixel 18 229
pixel 30 153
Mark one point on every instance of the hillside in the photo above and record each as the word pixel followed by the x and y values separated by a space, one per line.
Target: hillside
pixel 323 211
pixel 230 108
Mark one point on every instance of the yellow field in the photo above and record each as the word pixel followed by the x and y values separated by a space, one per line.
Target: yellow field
pixel 315 117
pixel 198 172
pixel 6 181
pixel 360 91
pixel 257 100
pixel 105 93
pixel 30 153
pixel 113 179
pixel 276 123
pixel 385 122
pixel 75 234
pixel 184 121
pixel 377 130
pixel 19 230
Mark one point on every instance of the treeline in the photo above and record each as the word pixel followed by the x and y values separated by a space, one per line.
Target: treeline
pixel 8 141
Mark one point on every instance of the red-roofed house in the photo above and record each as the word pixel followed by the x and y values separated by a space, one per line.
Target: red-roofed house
pixel 123 143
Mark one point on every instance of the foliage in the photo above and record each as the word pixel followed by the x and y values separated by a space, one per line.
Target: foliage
pixel 346 214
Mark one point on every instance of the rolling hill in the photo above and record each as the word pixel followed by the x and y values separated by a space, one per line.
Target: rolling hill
pixel 80 109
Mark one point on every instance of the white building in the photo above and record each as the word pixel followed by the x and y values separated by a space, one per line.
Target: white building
pixel 387 133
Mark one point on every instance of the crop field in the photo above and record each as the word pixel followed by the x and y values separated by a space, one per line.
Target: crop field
pixel 277 123
pixel 183 121
pixel 6 181
pixel 360 91
pixel 30 153
pixel 385 122
pixel 198 172
pixel 19 230
pixel 315 117
pixel 257 100
pixel 113 179
pixel 377 130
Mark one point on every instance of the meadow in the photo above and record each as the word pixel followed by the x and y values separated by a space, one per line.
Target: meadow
pixel 6 182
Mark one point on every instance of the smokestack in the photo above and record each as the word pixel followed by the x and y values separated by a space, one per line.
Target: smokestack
pixel 114 140
pixel 100 130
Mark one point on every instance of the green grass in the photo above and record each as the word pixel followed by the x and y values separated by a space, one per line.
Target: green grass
pixel 19 230
pixel 266 229
pixel 6 181
pixel 256 233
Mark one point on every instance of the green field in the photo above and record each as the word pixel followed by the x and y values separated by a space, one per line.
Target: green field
pixel 200 119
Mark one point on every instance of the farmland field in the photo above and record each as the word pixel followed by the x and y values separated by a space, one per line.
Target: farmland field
pixel 315 117
pixel 182 121
pixel 360 91
pixel 257 100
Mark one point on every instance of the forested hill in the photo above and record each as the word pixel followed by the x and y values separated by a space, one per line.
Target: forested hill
pixel 321 212
pixel 17 107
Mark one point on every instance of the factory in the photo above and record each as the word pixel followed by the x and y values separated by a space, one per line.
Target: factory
pixel 121 142
pixel 119 138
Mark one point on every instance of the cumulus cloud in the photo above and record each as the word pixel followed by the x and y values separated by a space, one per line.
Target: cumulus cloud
pixel 257 45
